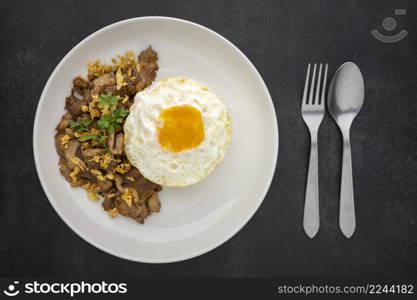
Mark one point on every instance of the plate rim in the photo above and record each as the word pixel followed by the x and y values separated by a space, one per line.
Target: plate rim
pixel 227 236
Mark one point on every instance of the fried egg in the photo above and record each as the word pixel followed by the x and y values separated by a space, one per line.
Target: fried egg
pixel 177 132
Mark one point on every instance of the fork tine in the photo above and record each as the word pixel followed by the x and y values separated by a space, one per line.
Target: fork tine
pixel 324 86
pixel 310 98
pixel 306 86
pixel 316 98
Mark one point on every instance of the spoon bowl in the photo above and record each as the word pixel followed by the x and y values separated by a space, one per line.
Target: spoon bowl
pixel 346 95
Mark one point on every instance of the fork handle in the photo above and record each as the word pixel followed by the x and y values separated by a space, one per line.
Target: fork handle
pixel 311 222
pixel 347 220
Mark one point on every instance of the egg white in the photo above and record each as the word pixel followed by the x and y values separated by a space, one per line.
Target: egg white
pixel 141 134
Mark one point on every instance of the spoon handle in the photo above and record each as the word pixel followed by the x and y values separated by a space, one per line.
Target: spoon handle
pixel 347 220
pixel 311 221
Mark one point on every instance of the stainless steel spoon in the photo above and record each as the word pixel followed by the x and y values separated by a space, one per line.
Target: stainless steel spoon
pixel 345 100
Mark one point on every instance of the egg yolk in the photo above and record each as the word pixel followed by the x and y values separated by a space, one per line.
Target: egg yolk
pixel 181 128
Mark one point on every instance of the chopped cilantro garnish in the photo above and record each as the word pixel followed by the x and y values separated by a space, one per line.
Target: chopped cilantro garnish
pixel 108 99
pixel 95 137
pixel 80 125
pixel 87 137
pixel 112 121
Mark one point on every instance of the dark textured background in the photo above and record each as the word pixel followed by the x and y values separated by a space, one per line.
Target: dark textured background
pixel 279 37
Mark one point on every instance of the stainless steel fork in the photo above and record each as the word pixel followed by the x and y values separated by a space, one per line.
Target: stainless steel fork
pixel 312 111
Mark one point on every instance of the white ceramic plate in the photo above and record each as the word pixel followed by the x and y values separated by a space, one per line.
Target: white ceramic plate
pixel 195 219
